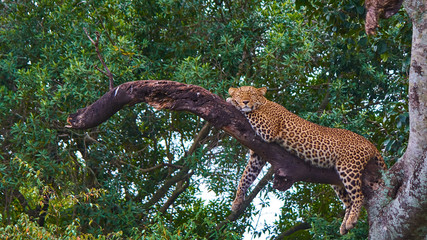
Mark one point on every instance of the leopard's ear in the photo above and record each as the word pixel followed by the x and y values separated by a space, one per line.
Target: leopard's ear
pixel 262 90
pixel 231 91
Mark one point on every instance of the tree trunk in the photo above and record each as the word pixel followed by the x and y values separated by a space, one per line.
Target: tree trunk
pixel 401 212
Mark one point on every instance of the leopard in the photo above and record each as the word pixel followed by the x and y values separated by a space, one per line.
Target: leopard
pixel 320 146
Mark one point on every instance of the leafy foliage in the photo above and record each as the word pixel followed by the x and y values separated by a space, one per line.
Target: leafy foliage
pixel 135 176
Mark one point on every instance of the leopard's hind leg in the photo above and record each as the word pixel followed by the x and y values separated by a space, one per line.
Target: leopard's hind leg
pixel 343 196
pixel 351 178
pixel 253 168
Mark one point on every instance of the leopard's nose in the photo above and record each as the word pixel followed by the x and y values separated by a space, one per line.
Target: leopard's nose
pixel 245 102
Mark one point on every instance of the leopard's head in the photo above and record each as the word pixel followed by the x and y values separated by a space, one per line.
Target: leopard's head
pixel 247 98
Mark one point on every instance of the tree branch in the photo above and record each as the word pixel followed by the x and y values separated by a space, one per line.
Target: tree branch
pixel 400 210
pixel 146 170
pixel 163 94
pixel 183 175
pixel 175 96
pixel 161 192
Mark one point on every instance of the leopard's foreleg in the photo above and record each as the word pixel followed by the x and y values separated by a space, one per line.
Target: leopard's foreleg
pixel 253 168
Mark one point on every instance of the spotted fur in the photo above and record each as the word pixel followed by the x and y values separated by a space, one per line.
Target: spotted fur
pixel 321 146
pixel 253 168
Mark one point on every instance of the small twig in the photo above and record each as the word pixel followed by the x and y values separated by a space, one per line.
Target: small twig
pixel 107 71
pixel 173 165
pixel 99 69
pixel 145 170
pixel 87 137
pixel 142 170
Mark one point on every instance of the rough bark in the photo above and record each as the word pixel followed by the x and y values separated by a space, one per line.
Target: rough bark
pixel 400 212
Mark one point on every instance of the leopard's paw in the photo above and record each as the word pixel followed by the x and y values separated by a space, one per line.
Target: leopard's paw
pixel 343 229
pixel 351 222
pixel 236 204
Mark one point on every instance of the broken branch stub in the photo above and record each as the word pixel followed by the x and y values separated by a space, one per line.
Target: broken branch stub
pixel 376 9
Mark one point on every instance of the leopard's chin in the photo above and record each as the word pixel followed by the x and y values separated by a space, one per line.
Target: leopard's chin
pixel 246 109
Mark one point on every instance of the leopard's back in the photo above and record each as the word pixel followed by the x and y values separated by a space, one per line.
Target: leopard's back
pixel 319 145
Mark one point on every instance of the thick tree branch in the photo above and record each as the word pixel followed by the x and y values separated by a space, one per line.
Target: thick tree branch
pixel 175 96
pixel 163 94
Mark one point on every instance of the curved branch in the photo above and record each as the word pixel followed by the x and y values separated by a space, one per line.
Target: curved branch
pixel 163 94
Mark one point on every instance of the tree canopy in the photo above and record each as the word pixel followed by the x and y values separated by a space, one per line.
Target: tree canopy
pixel 144 173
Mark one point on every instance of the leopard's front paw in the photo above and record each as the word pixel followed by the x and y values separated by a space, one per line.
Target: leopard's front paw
pixel 348 223
pixel 351 222
pixel 236 204
pixel 343 229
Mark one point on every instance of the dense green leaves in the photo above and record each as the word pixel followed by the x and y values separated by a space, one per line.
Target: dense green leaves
pixel 135 176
